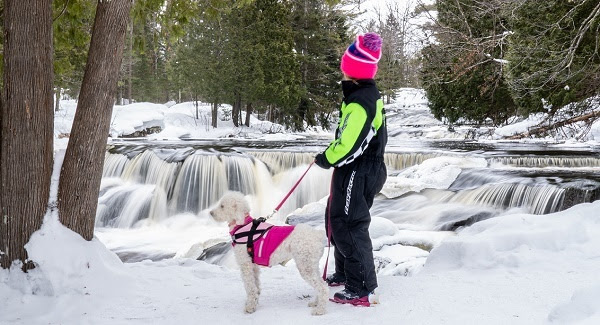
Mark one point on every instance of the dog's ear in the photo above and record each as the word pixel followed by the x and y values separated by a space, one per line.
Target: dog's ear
pixel 241 209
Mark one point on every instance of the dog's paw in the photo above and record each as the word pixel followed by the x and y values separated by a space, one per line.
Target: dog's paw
pixel 313 303
pixel 317 311
pixel 250 308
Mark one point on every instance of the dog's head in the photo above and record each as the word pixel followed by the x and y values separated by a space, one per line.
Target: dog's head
pixel 233 206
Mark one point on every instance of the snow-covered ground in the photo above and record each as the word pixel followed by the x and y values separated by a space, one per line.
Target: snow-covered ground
pixel 516 268
pixel 178 122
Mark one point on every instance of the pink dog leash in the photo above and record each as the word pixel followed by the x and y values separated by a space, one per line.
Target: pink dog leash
pixel 290 192
pixel 328 213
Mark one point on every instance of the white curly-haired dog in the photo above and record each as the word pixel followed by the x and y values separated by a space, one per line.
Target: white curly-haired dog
pixel 304 244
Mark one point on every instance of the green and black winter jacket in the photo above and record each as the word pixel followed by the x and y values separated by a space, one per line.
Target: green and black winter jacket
pixel 362 130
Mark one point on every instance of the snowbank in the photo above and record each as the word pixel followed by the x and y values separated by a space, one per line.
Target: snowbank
pixel 515 240
pixel 516 268
pixel 175 122
pixel 128 119
pixel 521 126
pixel 438 173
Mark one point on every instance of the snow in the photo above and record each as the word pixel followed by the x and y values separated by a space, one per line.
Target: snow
pixel 127 119
pixel 521 126
pixel 437 173
pixel 581 307
pixel 595 131
pixel 408 117
pixel 176 122
pixel 517 269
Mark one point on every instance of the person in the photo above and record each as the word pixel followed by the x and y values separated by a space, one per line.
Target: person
pixel 359 171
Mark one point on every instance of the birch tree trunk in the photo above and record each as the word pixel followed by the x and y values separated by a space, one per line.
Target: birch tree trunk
pixel 82 168
pixel 26 125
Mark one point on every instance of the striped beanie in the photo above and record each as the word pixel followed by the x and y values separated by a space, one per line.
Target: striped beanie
pixel 361 58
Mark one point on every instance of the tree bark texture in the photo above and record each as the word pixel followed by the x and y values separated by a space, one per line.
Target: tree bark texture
pixel 82 168
pixel 130 63
pixel 26 132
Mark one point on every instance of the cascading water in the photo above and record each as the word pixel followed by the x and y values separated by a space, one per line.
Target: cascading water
pixel 398 161
pixel 153 187
pixel 147 168
pixel 121 205
pixel 156 183
pixel 279 161
pixel 478 194
pixel 158 196
pixel 201 181
pixel 501 190
pixel 540 162
pixel 114 165
pixel 538 199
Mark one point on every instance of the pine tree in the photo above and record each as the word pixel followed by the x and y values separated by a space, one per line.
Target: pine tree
pixel 200 62
pixel 281 86
pixel 463 73
pixel 320 36
pixel 553 53
pixel 157 27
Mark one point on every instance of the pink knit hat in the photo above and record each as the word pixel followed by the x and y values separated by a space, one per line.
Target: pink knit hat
pixel 360 59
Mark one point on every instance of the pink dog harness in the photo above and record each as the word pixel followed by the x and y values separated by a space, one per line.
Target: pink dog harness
pixel 261 238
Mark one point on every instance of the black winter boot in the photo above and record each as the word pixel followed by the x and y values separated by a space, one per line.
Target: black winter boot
pixel 348 296
pixel 336 280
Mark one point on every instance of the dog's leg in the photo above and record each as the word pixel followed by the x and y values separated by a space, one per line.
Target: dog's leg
pixel 252 290
pixel 256 270
pixel 310 273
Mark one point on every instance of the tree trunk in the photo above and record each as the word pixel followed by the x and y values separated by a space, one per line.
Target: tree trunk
pixel 26 125
pixel 196 105
pixel 130 70
pixel 120 95
pixel 248 112
pixel 235 110
pixel 215 108
pixel 57 99
pixel 82 168
pixel 270 113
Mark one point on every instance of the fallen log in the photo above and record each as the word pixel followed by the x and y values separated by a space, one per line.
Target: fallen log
pixel 546 128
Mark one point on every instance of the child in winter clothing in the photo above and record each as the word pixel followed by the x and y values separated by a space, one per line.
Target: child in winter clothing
pixel 359 171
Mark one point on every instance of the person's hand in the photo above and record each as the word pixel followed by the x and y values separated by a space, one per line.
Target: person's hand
pixel 321 161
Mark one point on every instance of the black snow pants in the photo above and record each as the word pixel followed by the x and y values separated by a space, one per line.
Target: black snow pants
pixel 353 188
